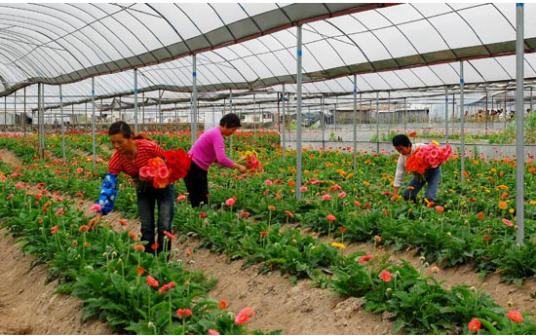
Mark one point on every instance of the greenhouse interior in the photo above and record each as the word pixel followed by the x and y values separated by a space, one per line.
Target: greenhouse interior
pixel 314 229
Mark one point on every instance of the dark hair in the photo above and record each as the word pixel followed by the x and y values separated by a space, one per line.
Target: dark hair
pixel 123 128
pixel 230 120
pixel 401 140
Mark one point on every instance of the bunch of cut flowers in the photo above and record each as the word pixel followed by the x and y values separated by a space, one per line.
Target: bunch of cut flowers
pixel 163 172
pixel 426 157
pixel 252 162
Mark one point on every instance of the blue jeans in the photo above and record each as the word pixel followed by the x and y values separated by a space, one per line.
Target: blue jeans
pixel 432 177
pixel 148 196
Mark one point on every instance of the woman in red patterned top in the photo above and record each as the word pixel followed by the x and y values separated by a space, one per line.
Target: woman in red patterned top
pixel 131 153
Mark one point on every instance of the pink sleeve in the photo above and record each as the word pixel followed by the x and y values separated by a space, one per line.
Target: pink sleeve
pixel 219 150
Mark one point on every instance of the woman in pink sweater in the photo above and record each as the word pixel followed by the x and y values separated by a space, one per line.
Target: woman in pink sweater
pixel 209 148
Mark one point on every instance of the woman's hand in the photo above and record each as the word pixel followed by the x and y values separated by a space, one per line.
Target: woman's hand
pixel 242 169
pixel 94 221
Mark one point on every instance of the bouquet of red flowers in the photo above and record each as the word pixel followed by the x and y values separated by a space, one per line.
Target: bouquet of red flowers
pixel 252 163
pixel 162 173
pixel 427 156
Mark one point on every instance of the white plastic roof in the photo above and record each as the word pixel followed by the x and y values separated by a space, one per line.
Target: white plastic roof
pixel 242 47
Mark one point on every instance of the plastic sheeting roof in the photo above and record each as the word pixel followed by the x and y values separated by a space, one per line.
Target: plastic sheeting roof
pixel 242 47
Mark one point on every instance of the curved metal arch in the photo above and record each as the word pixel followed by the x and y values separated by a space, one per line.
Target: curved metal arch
pixel 158 14
pixel 232 51
pixel 327 40
pixel 206 39
pixel 432 70
pixel 381 42
pixel 478 72
pixel 474 32
pixel 201 34
pixel 157 70
pixel 514 29
pixel 279 60
pixel 253 54
pixel 234 38
pixel 126 9
pixel 439 34
pixel 348 67
pixel 150 52
pixel 230 64
pixel 86 24
pixel 290 74
pixel 193 23
pixel 298 18
pixel 259 29
pixel 351 41
pixel 28 39
pixel 407 39
pixel 51 39
pixel 105 39
pixel 35 62
pixel 9 55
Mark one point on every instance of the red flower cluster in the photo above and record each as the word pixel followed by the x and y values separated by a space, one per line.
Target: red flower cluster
pixel 252 163
pixel 176 166
pixel 427 156
pixel 178 163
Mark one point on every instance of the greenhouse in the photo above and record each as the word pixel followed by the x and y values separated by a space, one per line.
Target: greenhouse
pixel 301 221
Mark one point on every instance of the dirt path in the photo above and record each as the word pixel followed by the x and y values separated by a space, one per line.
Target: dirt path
pixel 28 305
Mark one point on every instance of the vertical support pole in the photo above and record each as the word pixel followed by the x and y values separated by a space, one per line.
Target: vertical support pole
pixel 14 108
pixel 230 100
pixel 93 138
pixel 24 111
pixel 5 113
pixel 278 112
pixel 298 113
pixel 405 114
pixel 355 122
pixel 446 114
pixel 389 111
pixel 486 110
pixel 504 114
pixel 136 127
pixel 62 126
pixel 284 98
pixel 39 94
pixel 323 120
pixel 230 111
pixel 462 118
pixel 254 117
pixel 72 117
pixel 143 108
pixel 40 128
pixel 194 99
pixel 452 119
pixel 360 110
pixel 159 112
pixel 335 115
pixel 520 144
pixel 377 122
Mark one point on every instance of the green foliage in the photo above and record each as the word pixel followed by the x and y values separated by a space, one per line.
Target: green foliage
pixel 469 231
